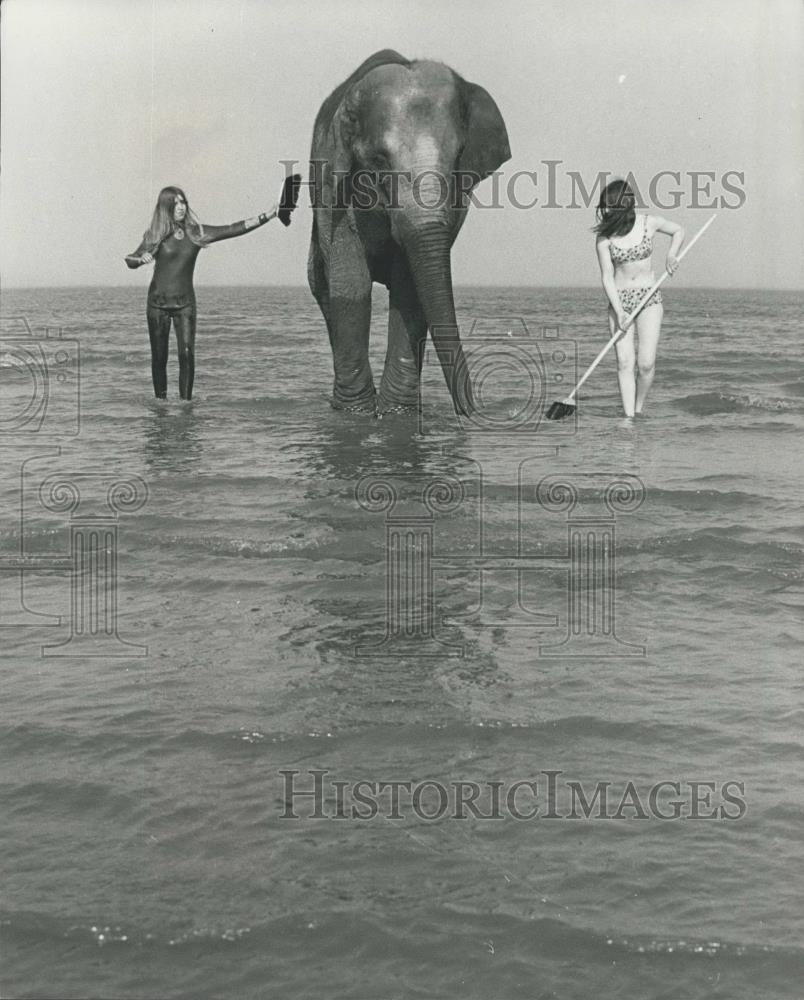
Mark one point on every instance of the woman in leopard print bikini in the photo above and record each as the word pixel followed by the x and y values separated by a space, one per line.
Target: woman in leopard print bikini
pixel 624 247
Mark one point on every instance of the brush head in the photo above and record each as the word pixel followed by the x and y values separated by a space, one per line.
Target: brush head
pixel 289 198
pixel 559 410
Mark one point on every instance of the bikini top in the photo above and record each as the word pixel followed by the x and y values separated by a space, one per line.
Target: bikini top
pixel 641 251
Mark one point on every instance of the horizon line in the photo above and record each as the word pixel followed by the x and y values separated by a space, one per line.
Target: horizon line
pixel 718 288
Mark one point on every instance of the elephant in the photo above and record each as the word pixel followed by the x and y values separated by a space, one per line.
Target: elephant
pixel 396 150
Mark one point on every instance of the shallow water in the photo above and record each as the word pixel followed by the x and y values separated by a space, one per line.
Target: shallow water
pixel 145 849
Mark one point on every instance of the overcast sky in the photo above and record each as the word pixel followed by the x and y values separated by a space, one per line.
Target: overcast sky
pixel 106 101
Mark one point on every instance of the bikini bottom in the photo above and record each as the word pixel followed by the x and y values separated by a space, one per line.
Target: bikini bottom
pixel 631 297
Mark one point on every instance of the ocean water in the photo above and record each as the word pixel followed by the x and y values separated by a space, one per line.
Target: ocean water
pixel 146 846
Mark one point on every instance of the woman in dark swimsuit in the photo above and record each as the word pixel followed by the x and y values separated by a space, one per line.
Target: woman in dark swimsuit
pixel 624 249
pixel 173 241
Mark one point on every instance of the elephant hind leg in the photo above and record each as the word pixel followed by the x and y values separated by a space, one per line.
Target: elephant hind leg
pixel 407 333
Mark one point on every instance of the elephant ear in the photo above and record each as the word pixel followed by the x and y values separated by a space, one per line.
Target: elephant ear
pixel 334 150
pixel 486 145
pixel 344 132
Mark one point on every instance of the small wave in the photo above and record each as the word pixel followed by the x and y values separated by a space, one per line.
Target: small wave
pixel 721 477
pixel 724 544
pixel 708 403
pixel 704 499
pixel 330 932
pixel 590 726
pixel 122 734
pixel 85 798
pixel 765 425
pixel 27 926
pixel 558 936
pixel 704 947
pixel 251 548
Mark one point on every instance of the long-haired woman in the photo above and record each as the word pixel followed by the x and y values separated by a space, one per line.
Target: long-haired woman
pixel 624 247
pixel 172 242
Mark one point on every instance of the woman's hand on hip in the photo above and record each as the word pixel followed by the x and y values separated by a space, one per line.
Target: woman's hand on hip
pixel 147 258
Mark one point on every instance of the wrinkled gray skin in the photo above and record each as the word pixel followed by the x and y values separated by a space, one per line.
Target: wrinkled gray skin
pixel 392 114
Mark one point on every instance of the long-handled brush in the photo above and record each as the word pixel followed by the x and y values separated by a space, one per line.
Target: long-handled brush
pixel 565 407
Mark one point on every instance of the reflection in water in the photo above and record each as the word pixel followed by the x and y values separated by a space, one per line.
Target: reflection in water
pixel 172 438
pixel 346 447
pixel 634 448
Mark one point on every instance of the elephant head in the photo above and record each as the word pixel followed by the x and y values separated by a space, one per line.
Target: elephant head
pixel 402 145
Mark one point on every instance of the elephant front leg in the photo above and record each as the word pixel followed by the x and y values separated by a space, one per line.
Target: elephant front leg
pixel 407 333
pixel 349 322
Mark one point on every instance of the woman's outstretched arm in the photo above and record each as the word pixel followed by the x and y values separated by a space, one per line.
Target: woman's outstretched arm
pixel 213 234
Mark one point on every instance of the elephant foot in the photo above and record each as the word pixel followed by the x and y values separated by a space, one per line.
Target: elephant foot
pixel 406 408
pixel 357 406
pixel 397 398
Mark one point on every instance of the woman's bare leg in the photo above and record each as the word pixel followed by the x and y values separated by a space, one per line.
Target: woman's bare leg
pixel 649 326
pixel 626 359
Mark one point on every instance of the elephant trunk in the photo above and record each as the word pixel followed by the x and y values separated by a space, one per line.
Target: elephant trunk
pixel 427 247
